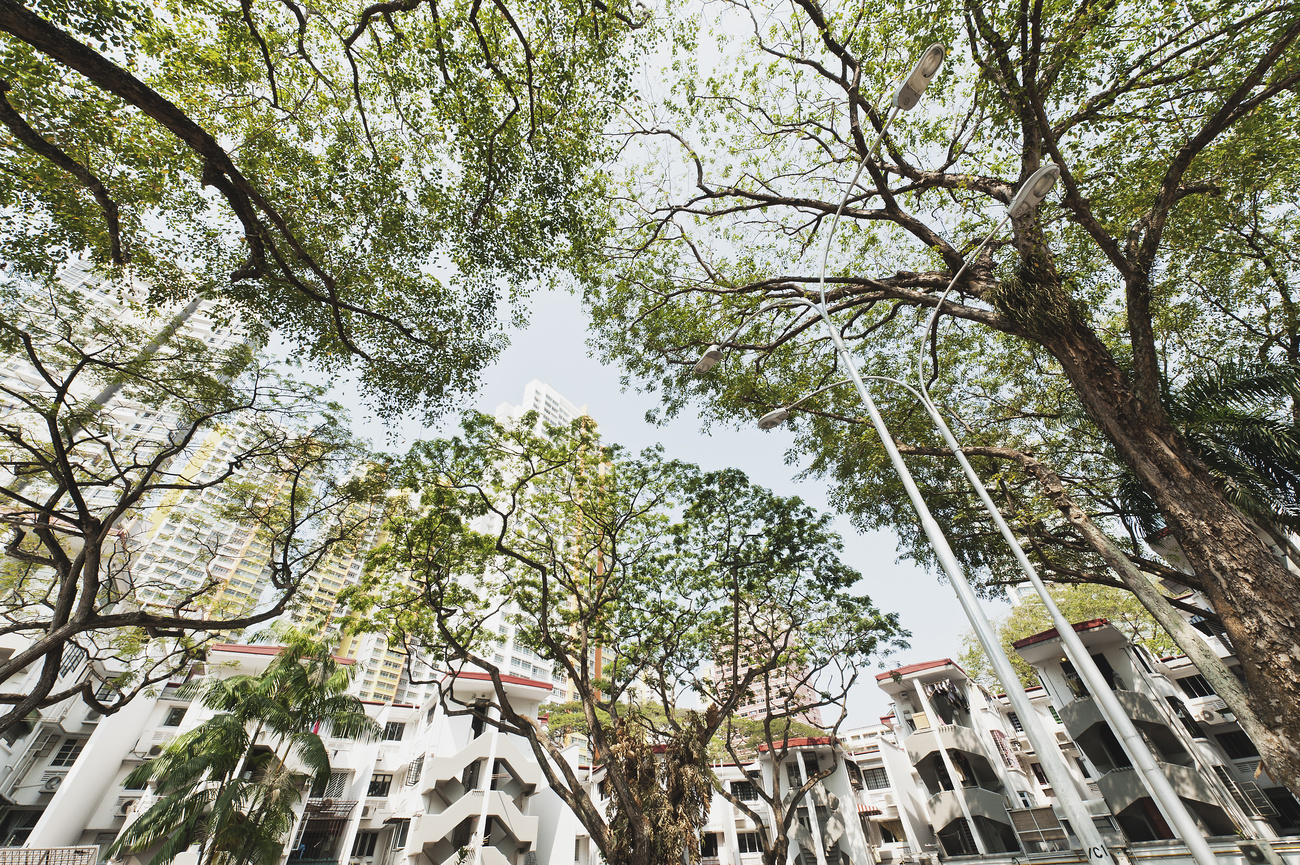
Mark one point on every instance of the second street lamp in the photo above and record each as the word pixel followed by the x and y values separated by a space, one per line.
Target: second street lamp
pixel 1053 764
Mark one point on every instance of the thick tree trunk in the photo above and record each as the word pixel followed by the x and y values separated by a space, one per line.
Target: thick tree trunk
pixel 1256 597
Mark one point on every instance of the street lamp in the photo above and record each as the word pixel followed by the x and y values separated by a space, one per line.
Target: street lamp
pixel 909 92
pixel 1053 764
pixel 1139 753
pixel 1030 195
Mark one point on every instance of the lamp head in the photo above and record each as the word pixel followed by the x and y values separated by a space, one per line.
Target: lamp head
pixel 1034 190
pixel 774 418
pixel 909 92
pixel 708 360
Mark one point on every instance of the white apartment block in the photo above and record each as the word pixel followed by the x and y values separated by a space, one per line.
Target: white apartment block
pixel 430 785
pixel 946 774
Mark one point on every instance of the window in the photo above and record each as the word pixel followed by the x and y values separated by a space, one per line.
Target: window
pixel 1055 717
pixel 379 785
pixel 1185 717
pixel 1039 774
pixel 333 788
pixel 876 778
pixel 394 731
pixel 364 845
pixel 748 842
pixel 1236 745
pixel 1015 722
pixel 1196 686
pixel 72 658
pixel 1072 680
pixel 400 828
pixel 174 716
pixel 792 774
pixel 744 791
pixel 413 773
pixel 69 751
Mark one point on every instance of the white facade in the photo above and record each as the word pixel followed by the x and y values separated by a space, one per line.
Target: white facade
pixel 431 784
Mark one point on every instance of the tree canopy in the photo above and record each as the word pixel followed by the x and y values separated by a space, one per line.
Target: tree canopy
pixel 369 179
pixel 647 583
pixel 228 456
pixel 1164 252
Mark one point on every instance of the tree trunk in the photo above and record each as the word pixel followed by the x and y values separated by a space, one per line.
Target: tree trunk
pixel 1255 596
pixel 1225 684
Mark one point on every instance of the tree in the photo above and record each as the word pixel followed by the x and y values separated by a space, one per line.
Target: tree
pixel 1078 604
pixel 80 492
pixel 230 785
pixel 363 177
pixel 1169 126
pixel 630 574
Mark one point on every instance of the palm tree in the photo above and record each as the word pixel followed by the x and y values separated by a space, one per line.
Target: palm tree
pixel 228 784
pixel 1240 419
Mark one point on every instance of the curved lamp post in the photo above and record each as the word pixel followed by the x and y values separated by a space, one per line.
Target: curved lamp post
pixel 1030 195
pixel 1053 764
pixel 1139 753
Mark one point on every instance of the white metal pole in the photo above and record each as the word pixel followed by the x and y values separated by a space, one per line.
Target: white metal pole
pixel 1174 809
pixel 1139 753
pixel 1058 774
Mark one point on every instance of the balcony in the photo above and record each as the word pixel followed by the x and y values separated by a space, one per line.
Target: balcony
pixel 945 806
pixel 440 771
pixel 1081 715
pixel 435 827
pixel 950 737
pixel 1122 787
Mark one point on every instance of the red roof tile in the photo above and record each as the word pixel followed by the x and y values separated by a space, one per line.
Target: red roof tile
pixel 803 742
pixel 505 677
pixel 1052 634
pixel 916 668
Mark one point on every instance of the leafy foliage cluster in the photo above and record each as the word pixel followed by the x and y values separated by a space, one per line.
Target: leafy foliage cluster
pixel 220 785
pixel 364 177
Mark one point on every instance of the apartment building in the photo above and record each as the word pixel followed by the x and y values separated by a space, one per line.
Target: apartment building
pixel 433 784
pixel 984 788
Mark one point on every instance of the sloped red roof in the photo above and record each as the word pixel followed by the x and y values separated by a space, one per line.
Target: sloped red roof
pixel 803 742
pixel 241 648
pixel 1052 634
pixel 916 668
pixel 505 677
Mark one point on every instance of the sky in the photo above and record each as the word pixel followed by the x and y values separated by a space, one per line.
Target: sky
pixel 553 349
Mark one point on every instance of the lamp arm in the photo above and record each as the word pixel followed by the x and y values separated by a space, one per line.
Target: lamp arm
pixel 862 163
pixel 934 316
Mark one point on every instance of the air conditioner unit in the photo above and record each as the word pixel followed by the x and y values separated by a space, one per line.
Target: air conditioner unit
pixel 124 807
pixel 1062 737
pixel 367 810
pixel 51 783
pixel 155 750
pixel 1259 853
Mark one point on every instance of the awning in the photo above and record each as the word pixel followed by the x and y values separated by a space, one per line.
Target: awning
pixel 869 810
